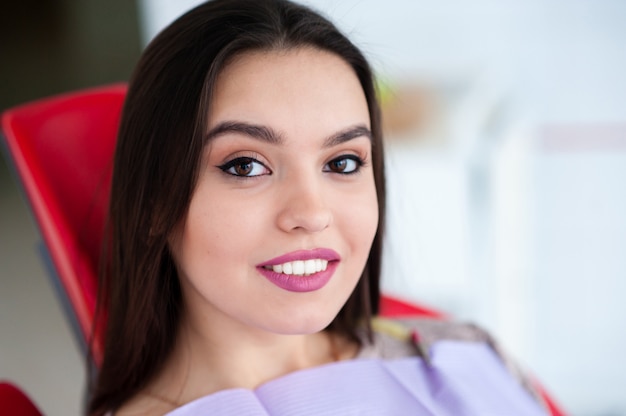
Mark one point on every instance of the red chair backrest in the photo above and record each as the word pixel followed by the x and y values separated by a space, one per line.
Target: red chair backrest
pixel 62 150
pixel 391 307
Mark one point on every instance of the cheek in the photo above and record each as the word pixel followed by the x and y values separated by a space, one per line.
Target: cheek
pixel 359 220
pixel 223 229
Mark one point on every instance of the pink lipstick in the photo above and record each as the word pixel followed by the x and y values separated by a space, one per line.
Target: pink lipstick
pixel 302 270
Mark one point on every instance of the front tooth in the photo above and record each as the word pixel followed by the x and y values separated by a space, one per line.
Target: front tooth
pixel 309 267
pixel 298 267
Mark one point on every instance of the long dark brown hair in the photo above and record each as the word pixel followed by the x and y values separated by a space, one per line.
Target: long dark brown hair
pixel 156 164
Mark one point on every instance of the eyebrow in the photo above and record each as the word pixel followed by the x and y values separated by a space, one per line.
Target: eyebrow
pixel 271 136
pixel 347 134
pixel 263 133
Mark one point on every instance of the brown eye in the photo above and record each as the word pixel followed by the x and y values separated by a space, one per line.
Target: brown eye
pixel 245 167
pixel 344 165
pixel 338 165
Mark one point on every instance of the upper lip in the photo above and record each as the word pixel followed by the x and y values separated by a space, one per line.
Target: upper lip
pixel 316 253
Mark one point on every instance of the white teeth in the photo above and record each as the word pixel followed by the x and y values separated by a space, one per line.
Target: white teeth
pixel 300 267
pixel 309 267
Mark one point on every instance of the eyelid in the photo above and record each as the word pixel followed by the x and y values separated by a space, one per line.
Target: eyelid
pixel 242 154
pixel 357 155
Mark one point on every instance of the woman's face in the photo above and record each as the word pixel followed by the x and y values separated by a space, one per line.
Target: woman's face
pixel 281 222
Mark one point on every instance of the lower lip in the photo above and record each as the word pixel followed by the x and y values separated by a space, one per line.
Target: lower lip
pixel 294 283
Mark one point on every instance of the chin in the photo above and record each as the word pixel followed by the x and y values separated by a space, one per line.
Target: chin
pixel 302 324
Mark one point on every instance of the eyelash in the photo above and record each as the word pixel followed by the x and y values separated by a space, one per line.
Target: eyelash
pixel 239 161
pixel 359 164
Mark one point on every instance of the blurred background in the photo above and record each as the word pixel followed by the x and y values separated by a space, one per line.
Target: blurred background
pixel 506 147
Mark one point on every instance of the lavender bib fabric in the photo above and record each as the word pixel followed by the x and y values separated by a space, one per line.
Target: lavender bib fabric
pixel 464 379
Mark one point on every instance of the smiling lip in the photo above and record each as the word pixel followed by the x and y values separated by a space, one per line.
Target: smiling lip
pixel 305 283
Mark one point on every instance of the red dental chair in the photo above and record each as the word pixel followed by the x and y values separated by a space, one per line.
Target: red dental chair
pixel 61 150
pixel 13 401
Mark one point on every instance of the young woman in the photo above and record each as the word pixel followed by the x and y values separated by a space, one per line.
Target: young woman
pixel 246 214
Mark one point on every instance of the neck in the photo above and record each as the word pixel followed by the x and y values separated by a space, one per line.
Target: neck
pixel 210 358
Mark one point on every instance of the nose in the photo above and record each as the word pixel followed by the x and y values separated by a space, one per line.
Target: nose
pixel 303 207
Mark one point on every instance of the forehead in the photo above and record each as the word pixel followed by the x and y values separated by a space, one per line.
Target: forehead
pixel 291 90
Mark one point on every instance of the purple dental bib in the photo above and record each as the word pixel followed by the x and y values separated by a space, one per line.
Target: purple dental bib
pixel 464 379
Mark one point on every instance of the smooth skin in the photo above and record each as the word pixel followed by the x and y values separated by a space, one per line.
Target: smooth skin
pixel 287 167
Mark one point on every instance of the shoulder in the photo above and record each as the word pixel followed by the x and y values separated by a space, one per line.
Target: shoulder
pixel 409 337
pixel 413 337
